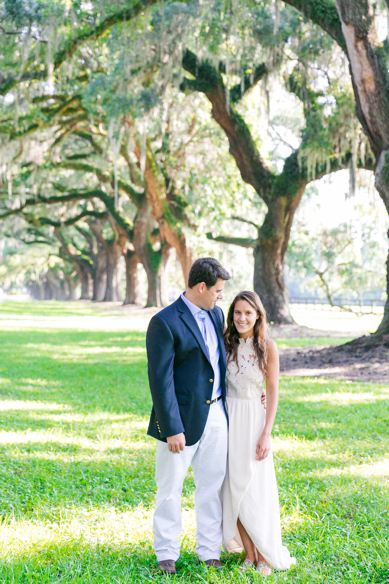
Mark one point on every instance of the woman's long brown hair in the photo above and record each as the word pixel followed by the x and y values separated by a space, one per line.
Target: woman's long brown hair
pixel 231 336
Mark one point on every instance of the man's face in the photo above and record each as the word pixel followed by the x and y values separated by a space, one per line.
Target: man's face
pixel 211 295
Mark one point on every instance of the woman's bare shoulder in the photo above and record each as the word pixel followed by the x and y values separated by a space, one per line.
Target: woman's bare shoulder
pixel 271 346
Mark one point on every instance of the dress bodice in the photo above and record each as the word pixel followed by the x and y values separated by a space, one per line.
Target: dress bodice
pixel 244 378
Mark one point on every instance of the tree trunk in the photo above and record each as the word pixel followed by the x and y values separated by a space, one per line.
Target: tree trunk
pixel 100 275
pixel 132 281
pixel 185 256
pixel 41 290
pixel 114 254
pixel 48 293
pixel 149 258
pixel 170 229
pixel 269 281
pixel 153 296
pixel 84 279
pixel 382 185
pixel 71 287
pixel 55 285
pixel 36 289
pixel 269 256
pixel 383 329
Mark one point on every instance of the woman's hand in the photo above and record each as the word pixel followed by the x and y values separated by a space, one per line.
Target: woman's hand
pixel 263 446
pixel 272 375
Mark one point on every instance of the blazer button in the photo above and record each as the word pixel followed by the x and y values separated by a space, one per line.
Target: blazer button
pixel 211 380
pixel 208 401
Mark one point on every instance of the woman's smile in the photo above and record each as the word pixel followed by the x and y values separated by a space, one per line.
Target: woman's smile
pixel 245 318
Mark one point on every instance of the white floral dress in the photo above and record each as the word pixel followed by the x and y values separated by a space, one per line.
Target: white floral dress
pixel 250 487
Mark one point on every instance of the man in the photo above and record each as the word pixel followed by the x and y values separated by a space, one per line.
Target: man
pixel 187 366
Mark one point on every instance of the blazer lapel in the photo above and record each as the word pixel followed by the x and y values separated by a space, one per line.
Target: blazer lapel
pixel 189 320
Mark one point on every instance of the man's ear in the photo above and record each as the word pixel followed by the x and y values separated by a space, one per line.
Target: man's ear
pixel 201 287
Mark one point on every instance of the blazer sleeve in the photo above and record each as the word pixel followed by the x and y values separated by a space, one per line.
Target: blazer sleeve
pixel 160 355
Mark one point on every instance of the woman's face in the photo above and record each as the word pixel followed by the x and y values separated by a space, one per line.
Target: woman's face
pixel 245 317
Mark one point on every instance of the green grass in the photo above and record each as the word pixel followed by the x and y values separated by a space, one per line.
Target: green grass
pixel 77 468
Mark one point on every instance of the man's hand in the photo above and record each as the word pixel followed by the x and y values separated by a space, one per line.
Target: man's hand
pixel 176 443
pixel 263 398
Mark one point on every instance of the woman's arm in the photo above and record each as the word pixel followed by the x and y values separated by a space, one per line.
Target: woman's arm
pixel 272 376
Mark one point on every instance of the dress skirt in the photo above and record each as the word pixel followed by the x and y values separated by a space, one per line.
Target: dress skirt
pixel 250 488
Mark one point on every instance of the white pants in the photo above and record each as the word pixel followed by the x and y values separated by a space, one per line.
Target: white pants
pixel 208 459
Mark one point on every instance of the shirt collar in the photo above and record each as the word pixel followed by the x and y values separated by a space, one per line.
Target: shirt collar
pixel 192 307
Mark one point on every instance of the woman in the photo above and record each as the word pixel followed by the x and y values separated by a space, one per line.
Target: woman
pixel 251 513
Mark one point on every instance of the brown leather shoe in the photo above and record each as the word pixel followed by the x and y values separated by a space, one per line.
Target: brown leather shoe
pixel 167 566
pixel 214 564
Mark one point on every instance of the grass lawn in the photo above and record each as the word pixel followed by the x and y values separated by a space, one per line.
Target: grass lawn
pixel 76 467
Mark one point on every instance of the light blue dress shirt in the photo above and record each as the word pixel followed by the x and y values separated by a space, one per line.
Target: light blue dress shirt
pixel 210 338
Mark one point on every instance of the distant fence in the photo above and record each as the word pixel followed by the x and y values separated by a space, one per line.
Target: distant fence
pixel 359 305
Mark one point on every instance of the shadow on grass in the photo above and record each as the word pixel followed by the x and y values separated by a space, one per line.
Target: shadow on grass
pixel 78 561
pixel 87 371
pixel 38 478
pixel 56 308
pixel 12 340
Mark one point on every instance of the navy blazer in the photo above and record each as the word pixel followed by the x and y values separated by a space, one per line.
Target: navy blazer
pixel 180 373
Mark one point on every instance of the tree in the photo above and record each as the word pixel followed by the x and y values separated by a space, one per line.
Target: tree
pixel 281 192
pixel 351 23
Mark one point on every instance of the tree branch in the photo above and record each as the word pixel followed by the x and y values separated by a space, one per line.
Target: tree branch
pixel 92 33
pixel 242 146
pixel 323 13
pixel 19 32
pixel 39 200
pixel 280 138
pixel 135 195
pixel 245 221
pixel 89 138
pixel 241 241
pixel 41 221
pixel 249 81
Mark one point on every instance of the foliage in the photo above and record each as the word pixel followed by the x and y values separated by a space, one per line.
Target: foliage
pixel 344 259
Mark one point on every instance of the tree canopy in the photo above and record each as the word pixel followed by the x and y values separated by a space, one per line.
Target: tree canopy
pixel 104 122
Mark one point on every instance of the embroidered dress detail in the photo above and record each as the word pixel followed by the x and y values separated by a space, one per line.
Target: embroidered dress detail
pixel 244 378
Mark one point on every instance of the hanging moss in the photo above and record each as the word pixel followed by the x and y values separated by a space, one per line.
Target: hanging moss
pixel 154 258
pixel 267 230
pixel 287 183
pixel 167 214
pixel 177 204
pixel 109 202
pixel 207 77
pixel 325 14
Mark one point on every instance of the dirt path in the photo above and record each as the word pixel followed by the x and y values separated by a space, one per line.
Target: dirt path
pixel 337 362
